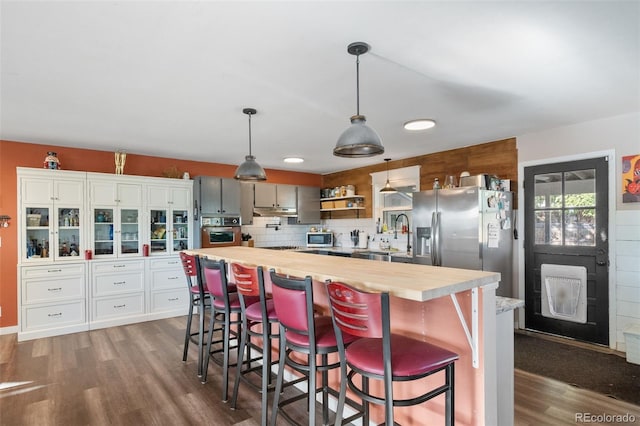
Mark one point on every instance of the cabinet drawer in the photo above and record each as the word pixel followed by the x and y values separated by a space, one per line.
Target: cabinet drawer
pixel 166 263
pixel 121 306
pixel 106 284
pixel 109 267
pixel 53 316
pixel 52 290
pixel 169 300
pixel 52 271
pixel 167 279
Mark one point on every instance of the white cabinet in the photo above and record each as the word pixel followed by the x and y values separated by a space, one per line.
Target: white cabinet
pixel 170 218
pixel 115 204
pixel 64 213
pixel 51 215
pixel 269 195
pixel 167 286
pixel 52 299
pixel 117 292
pixel 109 191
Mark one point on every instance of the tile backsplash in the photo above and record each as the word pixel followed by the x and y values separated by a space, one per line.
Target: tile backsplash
pixel 274 231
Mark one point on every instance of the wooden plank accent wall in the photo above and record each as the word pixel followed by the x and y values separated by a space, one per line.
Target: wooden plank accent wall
pixel 498 158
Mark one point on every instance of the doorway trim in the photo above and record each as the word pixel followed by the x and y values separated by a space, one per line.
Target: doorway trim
pixel 613 188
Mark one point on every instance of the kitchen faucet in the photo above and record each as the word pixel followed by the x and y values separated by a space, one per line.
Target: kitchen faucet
pixel 395 226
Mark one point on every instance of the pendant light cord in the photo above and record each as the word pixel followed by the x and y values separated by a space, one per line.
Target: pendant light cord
pixel 249 132
pixel 357 84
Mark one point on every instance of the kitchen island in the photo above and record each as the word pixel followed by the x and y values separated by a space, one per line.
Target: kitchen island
pixel 454 308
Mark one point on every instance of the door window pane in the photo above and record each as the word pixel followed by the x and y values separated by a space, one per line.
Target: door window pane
pixel 548 190
pixel 580 188
pixel 580 227
pixel 549 227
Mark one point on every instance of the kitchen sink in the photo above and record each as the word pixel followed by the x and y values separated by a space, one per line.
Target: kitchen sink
pixel 381 255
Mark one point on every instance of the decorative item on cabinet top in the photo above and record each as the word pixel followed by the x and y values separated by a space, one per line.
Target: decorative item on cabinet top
pixel 51 161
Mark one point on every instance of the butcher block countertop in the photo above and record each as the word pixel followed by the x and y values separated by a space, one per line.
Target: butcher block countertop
pixel 404 280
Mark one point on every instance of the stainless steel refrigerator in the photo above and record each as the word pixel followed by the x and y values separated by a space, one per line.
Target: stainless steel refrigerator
pixel 470 228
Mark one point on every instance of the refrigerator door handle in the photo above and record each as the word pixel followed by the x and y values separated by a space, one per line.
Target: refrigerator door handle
pixel 434 223
pixel 437 249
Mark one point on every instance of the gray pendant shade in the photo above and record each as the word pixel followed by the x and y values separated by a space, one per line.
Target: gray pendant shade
pixel 250 170
pixel 359 140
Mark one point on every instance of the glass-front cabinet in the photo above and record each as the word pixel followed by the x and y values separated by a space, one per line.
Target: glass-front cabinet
pixel 116 215
pixel 169 219
pixel 169 231
pixel 116 232
pixel 52 218
pixel 53 233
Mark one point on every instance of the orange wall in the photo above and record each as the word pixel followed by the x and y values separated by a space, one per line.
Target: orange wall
pixel 20 154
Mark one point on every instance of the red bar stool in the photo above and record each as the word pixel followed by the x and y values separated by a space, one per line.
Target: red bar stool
pixel 225 304
pixel 303 332
pixel 257 312
pixel 382 355
pixel 198 298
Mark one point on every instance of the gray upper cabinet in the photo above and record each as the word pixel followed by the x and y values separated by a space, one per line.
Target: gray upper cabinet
pixel 246 190
pixel 270 195
pixel 308 205
pixel 218 196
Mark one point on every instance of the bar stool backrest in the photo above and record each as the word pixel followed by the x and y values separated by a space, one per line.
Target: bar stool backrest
pixel 191 267
pixel 356 312
pixel 293 300
pixel 215 277
pixel 247 279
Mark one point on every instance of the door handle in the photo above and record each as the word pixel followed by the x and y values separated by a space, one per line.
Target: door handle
pixel 602 263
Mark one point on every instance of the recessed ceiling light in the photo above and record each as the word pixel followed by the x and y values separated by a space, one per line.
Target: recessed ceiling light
pixel 419 124
pixel 294 160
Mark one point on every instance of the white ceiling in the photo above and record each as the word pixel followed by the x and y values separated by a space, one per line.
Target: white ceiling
pixel 170 78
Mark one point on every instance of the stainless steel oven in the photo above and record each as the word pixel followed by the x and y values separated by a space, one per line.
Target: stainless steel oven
pixel 220 231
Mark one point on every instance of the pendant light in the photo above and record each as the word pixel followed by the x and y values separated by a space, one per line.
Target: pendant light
pixel 250 170
pixel 388 189
pixel 359 140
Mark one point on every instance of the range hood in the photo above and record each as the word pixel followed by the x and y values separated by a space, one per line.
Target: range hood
pixel 274 212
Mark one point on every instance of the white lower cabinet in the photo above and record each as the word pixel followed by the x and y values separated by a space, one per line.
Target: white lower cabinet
pixel 167 287
pixel 53 300
pixel 117 292
pixel 60 299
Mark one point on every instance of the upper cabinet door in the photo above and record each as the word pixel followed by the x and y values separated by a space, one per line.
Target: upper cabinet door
pixel 113 193
pixel 69 192
pixel 231 197
pixel 103 193
pixel 286 196
pixel 271 195
pixel 37 191
pixel 210 200
pixel 219 196
pixel 45 191
pixel 129 194
pixel 265 195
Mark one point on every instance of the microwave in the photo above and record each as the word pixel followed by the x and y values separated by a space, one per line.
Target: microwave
pixel 319 239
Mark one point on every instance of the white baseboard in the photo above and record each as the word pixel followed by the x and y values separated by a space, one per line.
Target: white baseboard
pixel 9 330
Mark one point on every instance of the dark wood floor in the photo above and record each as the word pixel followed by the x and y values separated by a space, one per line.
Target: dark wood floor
pixel 134 375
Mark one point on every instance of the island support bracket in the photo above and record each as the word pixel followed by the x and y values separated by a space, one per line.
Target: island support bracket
pixel 472 337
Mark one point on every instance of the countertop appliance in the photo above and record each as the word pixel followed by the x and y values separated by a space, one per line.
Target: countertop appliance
pixel 220 231
pixel 320 239
pixel 469 228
